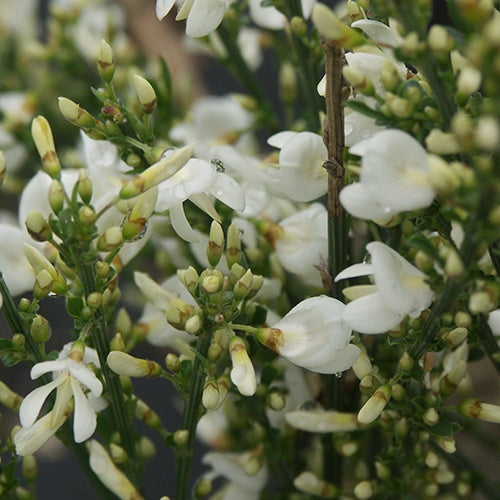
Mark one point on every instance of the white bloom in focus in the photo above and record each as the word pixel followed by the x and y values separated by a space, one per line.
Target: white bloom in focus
pixel 303 242
pixel 314 336
pixel 109 474
pixel 71 377
pixel 301 159
pixel 394 177
pixel 231 466
pixel 399 290
pixel 243 373
pixel 203 16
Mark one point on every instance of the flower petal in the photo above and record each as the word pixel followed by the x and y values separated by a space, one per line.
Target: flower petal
pixel 86 377
pixel 84 417
pixel 204 17
pixel 33 402
pixel 227 190
pixel 181 225
pixel 163 7
pixel 355 271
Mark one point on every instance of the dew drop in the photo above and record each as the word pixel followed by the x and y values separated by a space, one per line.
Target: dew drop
pixel 168 152
pixel 219 191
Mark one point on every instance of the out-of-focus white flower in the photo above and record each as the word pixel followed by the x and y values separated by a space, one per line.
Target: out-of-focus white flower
pixel 314 336
pixel 160 332
pixel 271 18
pixel 15 153
pixel 203 16
pixel 212 427
pixel 214 121
pixel 301 159
pixel 399 290
pixel 16 271
pixel 303 242
pixel 232 466
pixel 70 374
pixel 394 177
pixel 322 421
pixel 494 321
pixel 386 37
pixel 112 477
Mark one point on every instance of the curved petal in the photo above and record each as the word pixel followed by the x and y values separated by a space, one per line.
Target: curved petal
pixel 227 190
pixel 29 440
pixel 163 7
pixel 84 417
pixel 266 17
pixel 369 314
pixel 57 365
pixel 181 224
pixel 281 138
pixel 342 362
pixel 355 271
pixel 204 17
pixel 358 200
pixel 33 402
pixel 86 377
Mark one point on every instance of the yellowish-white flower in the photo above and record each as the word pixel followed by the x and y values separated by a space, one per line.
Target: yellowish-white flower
pixel 394 177
pixel 71 378
pixel 109 474
pixel 314 336
pixel 243 373
pixel 399 290
pixel 271 18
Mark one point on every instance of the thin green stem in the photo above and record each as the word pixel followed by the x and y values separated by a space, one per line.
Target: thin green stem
pixel 190 418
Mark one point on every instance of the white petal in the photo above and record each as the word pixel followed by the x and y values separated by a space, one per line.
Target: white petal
pixel 84 417
pixel 163 7
pixel 48 366
pixel 33 402
pixel 494 321
pixel 322 421
pixel 227 190
pixel 31 439
pixel 344 360
pixel 181 225
pixel 266 17
pixel 152 290
pixel 380 33
pixel 358 200
pixel 281 138
pixel 369 314
pixel 203 202
pixel 355 271
pixel 204 17
pixel 86 377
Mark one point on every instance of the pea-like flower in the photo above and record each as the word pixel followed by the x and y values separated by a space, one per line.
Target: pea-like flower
pixel 399 290
pixel 314 336
pixel 71 378
pixel 394 177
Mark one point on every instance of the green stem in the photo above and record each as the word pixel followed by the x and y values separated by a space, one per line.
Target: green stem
pixel 190 418
pixel 238 66
pixel 99 336
pixel 65 434
pixel 308 79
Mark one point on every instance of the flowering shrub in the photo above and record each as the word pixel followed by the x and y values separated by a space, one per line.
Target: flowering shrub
pixel 314 279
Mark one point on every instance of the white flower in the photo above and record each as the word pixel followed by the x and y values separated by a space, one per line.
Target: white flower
pixel 243 373
pixel 231 466
pixel 270 17
pixel 314 336
pixel 494 321
pixel 394 177
pixel 194 181
pixel 203 16
pixel 303 242
pixel 301 159
pixel 399 290
pixel 70 374
pixel 112 477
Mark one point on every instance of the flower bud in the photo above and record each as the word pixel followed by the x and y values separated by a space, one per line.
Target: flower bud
pixel 39 262
pixel 243 373
pixel 56 196
pixel 287 85
pixel 257 282
pixel 358 80
pixel 86 215
pixel 275 400
pixel 44 142
pixel 442 143
pixel 40 329
pixel 455 336
pixel 145 414
pixel 431 459
pixel 30 470
pixel 193 324
pixel 181 437
pixel 84 187
pixel 243 285
pixel 453 266
pixel 447 444
pixel 125 364
pixel 75 114
pixel 3 169
pixel 210 398
pixel 118 454
pixel 157 173
pixel 481 302
pixel 146 449
pixel 322 421
pixel 43 284
pixel 110 240
pixel 215 245
pixel 102 269
pixel 355 11
pixel 9 398
pixel 399 106
pixel 368 384
pixel 477 409
pixel 362 366
pixel 440 41
pixel 364 490
pixel 172 362
pixel 212 283
pixel 307 482
pixel 106 62
pixel 374 406
pixel 236 273
pixel 18 340
pixel 406 362
pixel 442 177
pixel 117 343
pixel 135 223
pixel 203 488
pixel 431 417
pixel 145 93
pixel 487 134
pixel 189 279
pixel 333 29
pixel 468 81
pixel 462 319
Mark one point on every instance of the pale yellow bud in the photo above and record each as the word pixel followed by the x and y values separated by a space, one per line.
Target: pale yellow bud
pixel 210 398
pixel 56 196
pixel 111 239
pixel 443 143
pixel 38 227
pixel 477 409
pixel 145 93
pixel 375 405
pixel 44 142
pixel 193 324
pixel 431 416
pixel 307 482
pixel 106 62
pixel 447 444
pixel 481 302
pixel 136 221
pixel 431 459
pixel 456 336
pixel 440 40
pixel 454 266
pixel 242 286
pixel 145 414
pixel 487 134
pixel 364 490
pixel 118 454
pixel 9 398
pixel 358 80
pixel 125 364
pixel 469 80
pixel 75 114
pixel 442 177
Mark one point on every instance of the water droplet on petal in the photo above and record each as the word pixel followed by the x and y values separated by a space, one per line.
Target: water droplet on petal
pixel 219 191
pixel 140 235
pixel 241 232
pixel 167 153
pixel 338 374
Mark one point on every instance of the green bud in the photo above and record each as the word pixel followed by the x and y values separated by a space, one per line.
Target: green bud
pixel 56 196
pixel 181 437
pixel 145 93
pixel 84 187
pixel 189 279
pixel 431 416
pixel 210 398
pixel 203 488
pixel 3 169
pixel 38 227
pixel 75 114
pixel 243 285
pixel 364 490
pixel 117 453
pixel 117 343
pixel 102 269
pixel 146 449
pixel 43 284
pixel 146 415
pixel 172 362
pixel 406 362
pixel 40 329
pixel 298 26
pixel 9 398
pixel 214 351
pixel 86 215
pixel 94 300
pixel 215 243
pixel 110 240
pixel 44 142
pixel 106 62
pixel 275 400
pixel 18 340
